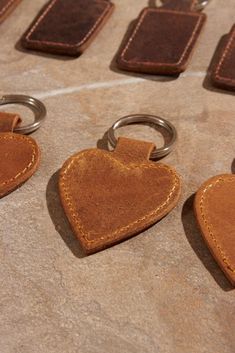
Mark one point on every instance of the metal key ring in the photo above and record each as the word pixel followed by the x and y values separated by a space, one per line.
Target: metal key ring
pixel 141 119
pixel 37 107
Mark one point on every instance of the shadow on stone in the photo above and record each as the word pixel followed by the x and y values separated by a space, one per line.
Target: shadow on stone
pixel 199 246
pixel 59 218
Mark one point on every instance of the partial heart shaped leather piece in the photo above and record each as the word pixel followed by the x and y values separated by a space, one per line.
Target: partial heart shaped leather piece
pixel 19 159
pixel 111 196
pixel 215 213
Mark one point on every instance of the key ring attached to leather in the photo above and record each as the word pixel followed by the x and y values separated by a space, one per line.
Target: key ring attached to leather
pixel 143 119
pixel 37 107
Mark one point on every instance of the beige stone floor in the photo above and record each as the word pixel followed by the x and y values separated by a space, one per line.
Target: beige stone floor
pixel 159 292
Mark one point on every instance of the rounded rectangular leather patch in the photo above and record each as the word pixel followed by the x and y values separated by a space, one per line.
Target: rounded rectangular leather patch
pixel 161 41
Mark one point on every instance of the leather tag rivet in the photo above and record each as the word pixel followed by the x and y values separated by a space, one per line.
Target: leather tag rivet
pixel 215 213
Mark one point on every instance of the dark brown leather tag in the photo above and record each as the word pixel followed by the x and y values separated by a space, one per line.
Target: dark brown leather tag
pixel 110 196
pixel 215 213
pixel 67 26
pixel 6 7
pixel 161 41
pixel 223 72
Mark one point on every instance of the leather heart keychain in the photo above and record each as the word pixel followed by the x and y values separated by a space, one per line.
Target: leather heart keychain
pixel 215 212
pixel 162 39
pixel 111 196
pixel 19 154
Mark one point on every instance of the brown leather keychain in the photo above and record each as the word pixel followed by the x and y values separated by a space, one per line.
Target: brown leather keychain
pixel 19 154
pixel 110 196
pixel 67 27
pixel 6 7
pixel 215 212
pixel 162 39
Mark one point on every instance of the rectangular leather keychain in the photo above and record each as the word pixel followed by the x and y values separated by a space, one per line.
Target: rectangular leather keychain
pixel 6 7
pixel 223 73
pixel 67 26
pixel 163 38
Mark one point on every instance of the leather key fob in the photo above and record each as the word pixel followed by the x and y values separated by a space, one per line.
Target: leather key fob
pixel 67 26
pixel 162 39
pixel 19 155
pixel 223 72
pixel 110 196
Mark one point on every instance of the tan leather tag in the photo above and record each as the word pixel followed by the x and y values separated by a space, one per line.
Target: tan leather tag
pixel 19 159
pixel 8 121
pixel 111 196
pixel 215 213
pixel 223 71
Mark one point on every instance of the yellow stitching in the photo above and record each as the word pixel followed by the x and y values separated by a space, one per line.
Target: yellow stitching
pixel 74 213
pixel 5 8
pixel 223 58
pixel 167 11
pixel 209 227
pixel 12 137
pixel 64 44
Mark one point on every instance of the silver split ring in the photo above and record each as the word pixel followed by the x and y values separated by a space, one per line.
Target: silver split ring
pixel 143 119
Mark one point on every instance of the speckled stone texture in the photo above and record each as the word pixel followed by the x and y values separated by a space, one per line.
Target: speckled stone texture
pixel 159 292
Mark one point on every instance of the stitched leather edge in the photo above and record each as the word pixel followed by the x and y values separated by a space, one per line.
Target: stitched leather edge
pixel 179 13
pixel 226 52
pixel 47 9
pixel 20 137
pixel 209 227
pixel 72 209
pixel 6 7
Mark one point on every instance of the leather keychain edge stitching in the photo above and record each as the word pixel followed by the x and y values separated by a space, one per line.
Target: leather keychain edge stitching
pixel 218 246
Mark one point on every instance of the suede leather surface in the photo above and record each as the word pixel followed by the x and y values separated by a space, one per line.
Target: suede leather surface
pixel 223 74
pixel 215 213
pixel 19 155
pixel 162 41
pixel 6 7
pixel 111 196
pixel 67 26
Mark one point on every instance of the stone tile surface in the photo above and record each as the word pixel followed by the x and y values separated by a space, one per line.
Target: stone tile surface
pixel 161 291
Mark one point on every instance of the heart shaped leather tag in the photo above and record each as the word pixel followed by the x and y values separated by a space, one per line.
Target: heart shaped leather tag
pixel 19 159
pixel 215 213
pixel 111 196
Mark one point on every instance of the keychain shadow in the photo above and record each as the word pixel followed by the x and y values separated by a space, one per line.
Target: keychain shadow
pixel 233 167
pixel 207 83
pixel 59 218
pixel 198 245
pixel 151 77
